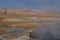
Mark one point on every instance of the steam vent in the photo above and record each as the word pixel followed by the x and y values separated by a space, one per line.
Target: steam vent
pixel 17 24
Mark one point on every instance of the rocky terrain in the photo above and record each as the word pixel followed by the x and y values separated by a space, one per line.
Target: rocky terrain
pixel 10 19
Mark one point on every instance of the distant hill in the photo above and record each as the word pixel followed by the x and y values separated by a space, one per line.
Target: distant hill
pixel 28 12
pixel 26 17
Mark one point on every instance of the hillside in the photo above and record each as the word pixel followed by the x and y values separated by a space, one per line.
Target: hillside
pixel 26 18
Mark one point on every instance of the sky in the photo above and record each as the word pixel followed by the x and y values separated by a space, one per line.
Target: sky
pixel 31 4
